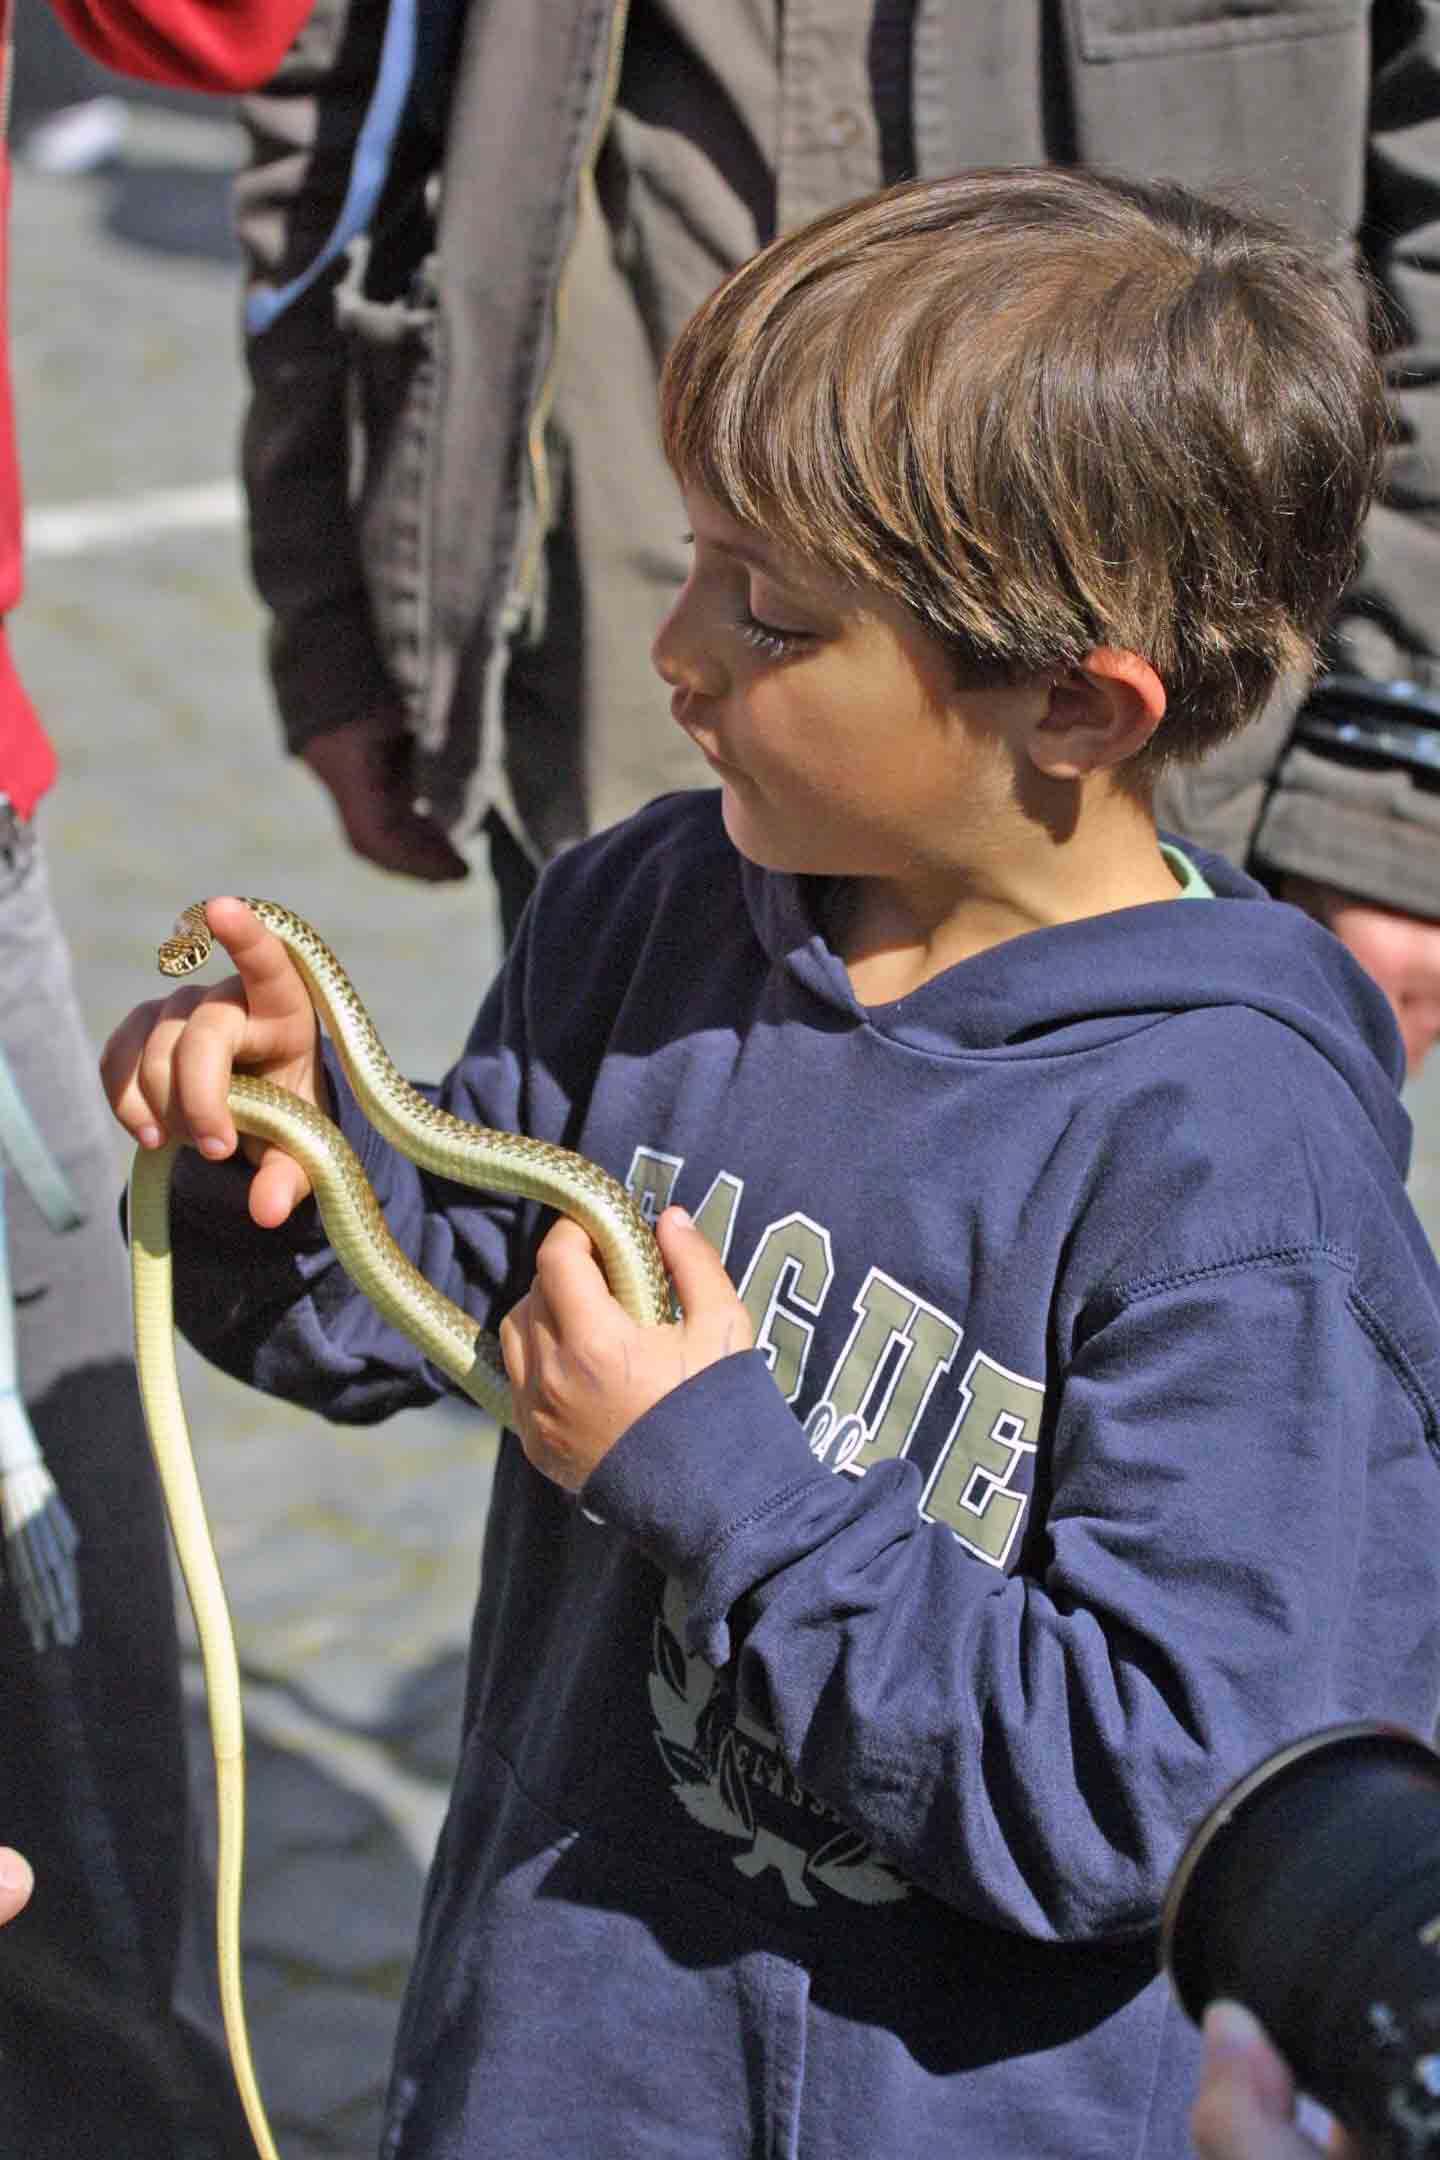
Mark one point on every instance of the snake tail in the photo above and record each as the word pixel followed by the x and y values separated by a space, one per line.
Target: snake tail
pixel 151 1276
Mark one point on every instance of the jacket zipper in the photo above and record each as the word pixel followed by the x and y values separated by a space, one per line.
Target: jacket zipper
pixel 523 589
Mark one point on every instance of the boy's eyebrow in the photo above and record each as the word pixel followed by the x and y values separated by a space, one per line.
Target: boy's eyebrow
pixel 757 553
pixel 756 556
pixel 746 552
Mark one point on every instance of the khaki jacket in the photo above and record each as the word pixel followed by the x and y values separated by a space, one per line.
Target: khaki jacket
pixel 397 444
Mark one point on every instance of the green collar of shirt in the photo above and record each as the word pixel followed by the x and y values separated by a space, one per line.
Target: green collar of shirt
pixel 1187 877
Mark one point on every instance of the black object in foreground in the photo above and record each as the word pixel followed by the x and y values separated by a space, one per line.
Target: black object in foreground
pixel 1311 1893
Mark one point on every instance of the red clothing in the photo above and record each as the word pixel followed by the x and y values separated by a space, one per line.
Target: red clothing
pixel 199 45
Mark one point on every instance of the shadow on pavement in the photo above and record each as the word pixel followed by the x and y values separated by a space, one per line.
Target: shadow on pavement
pixel 420 1726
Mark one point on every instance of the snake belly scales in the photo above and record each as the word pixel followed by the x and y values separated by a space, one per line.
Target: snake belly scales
pixel 430 1137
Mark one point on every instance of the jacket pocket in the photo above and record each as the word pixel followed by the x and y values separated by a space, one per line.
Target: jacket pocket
pixel 1121 29
pixel 1263 105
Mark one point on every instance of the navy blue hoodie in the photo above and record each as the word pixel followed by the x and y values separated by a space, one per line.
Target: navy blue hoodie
pixel 823 1770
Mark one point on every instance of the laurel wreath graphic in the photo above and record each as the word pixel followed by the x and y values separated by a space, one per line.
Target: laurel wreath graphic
pixel 700 1749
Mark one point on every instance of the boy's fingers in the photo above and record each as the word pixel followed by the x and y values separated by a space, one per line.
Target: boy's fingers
pixel 511 1334
pixel 241 932
pixel 696 1269
pixel 573 1281
pixel 273 988
pixel 529 1339
pixel 515 1336
pixel 201 1060
pixel 142 1059
pixel 569 1277
pixel 277 1188
pixel 120 1063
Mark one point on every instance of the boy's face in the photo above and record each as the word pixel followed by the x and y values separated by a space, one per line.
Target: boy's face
pixel 832 719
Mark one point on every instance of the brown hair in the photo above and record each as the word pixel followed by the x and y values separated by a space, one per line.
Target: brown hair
pixel 1050 410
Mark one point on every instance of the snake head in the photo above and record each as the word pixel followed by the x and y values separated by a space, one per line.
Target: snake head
pixel 191 945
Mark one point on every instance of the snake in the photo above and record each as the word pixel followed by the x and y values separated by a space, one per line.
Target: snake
pixel 435 1140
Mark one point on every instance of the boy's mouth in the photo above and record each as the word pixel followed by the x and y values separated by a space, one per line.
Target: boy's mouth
pixel 681 715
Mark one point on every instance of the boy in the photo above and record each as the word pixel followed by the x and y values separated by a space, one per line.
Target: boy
pixel 824 1766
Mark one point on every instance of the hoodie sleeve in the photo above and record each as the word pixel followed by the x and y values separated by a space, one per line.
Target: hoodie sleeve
pixel 1229 1450
pixel 194 44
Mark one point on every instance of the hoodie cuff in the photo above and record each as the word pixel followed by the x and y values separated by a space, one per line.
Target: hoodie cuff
pixel 692 1480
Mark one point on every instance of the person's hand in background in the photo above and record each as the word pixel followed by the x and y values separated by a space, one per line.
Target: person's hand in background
pixel 1400 952
pixel 16 1883
pixel 365 767
pixel 1245 2106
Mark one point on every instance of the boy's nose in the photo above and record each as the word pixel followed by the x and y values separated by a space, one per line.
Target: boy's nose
pixel 679 657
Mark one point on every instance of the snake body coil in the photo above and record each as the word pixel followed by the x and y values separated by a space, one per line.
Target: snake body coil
pixel 430 1137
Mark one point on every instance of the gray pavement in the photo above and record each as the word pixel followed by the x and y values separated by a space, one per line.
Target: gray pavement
pixel 351 1557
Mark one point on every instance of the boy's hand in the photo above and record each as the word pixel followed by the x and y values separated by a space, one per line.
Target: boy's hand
pixel 167 1067
pixel 581 1368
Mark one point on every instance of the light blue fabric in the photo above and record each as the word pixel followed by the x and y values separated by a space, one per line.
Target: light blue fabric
pixel 1190 880
pixel 44 1180
pixel 40 1537
pixel 14 1452
pixel 394 82
pixel 40 1540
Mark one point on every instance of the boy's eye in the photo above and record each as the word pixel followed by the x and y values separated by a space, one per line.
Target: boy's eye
pixel 769 638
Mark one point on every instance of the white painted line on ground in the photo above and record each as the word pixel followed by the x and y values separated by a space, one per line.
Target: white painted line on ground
pixel 87 528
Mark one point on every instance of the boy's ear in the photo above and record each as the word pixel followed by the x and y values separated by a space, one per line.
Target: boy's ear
pixel 1099 714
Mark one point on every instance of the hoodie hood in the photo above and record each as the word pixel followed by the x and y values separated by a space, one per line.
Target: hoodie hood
pixel 1080 985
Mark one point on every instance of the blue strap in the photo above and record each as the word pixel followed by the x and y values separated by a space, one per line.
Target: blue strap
pixel 40 1538
pixel 394 82
pixel 12 1453
pixel 30 1152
